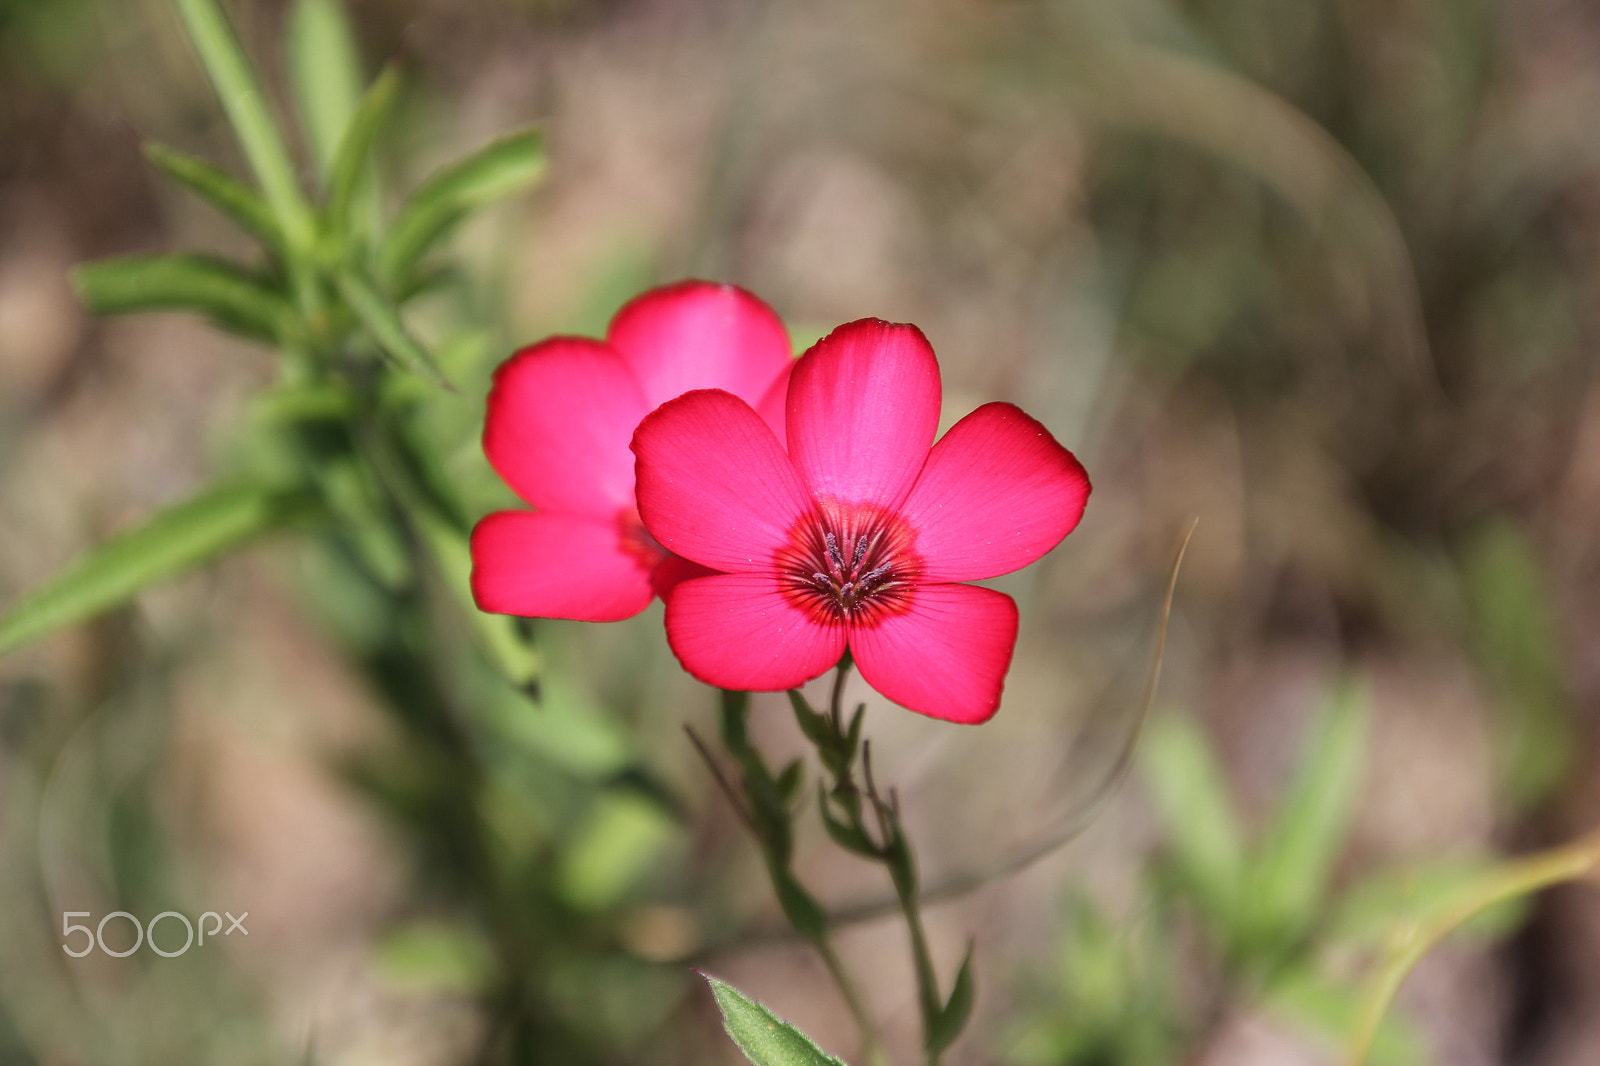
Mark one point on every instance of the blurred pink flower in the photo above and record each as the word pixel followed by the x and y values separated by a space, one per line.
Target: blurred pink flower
pixel 859 535
pixel 560 416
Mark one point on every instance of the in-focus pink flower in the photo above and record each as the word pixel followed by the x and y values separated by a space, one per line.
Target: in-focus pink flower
pixel 561 414
pixel 860 535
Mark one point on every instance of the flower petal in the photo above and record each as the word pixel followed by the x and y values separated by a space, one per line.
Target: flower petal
pixel 698 335
pixel 773 404
pixel 863 409
pixel 714 484
pixel 547 565
pixel 739 631
pixel 946 657
pixel 672 571
pixel 560 416
pixel 997 493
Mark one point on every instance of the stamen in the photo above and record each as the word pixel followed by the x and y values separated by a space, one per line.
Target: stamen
pixel 835 560
pixel 873 575
pixel 851 567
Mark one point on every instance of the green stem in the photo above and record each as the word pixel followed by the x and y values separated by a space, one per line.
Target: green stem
pixel 1414 939
pixel 836 698
pixel 771 823
pixel 896 855
pixel 929 1001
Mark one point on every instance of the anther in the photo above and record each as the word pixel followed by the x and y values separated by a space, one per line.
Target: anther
pixel 833 552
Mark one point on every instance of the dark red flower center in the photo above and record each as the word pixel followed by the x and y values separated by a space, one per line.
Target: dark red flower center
pixel 849 563
pixel 637 541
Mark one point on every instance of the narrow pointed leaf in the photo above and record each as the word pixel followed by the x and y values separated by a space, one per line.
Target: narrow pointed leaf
pixel 444 199
pixel 177 539
pixel 518 661
pixel 852 740
pixel 844 834
pixel 790 778
pixel 813 725
pixel 325 70
pixel 182 282
pixel 1189 790
pixel 953 1017
pixel 228 195
pixel 1298 856
pixel 240 92
pixel 352 159
pixel 387 330
pixel 765 1038
pixel 801 909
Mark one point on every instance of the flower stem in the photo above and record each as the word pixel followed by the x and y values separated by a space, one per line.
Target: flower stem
pixel 836 697
pixel 765 808
pixel 891 848
pixel 1413 939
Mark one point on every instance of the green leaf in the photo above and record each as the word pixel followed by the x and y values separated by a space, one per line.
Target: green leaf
pixel 953 1017
pixel 765 1038
pixel 177 539
pixel 813 725
pixel 845 834
pixel 802 910
pixel 353 154
pixel 790 778
pixel 387 330
pixel 228 195
pixel 436 956
pixel 1191 795
pixel 734 706
pixel 852 738
pixel 517 660
pixel 444 199
pixel 1367 912
pixel 312 401
pixel 1302 996
pixel 252 122
pixel 618 842
pixel 1514 632
pixel 325 70
pixel 183 282
pixel 1297 858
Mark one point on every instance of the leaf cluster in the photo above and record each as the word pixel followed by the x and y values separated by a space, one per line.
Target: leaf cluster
pixel 329 292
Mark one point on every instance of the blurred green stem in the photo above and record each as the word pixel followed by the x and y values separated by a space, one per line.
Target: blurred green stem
pixel 766 810
pixel 1415 938
pixel 837 745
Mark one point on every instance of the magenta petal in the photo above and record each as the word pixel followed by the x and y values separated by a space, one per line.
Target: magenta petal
pixel 697 335
pixel 672 571
pixel 560 416
pixel 997 493
pixel 739 631
pixel 946 657
pixel 863 409
pixel 545 565
pixel 714 484
pixel 773 404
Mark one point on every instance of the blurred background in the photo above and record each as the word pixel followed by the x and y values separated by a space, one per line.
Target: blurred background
pixel 1324 274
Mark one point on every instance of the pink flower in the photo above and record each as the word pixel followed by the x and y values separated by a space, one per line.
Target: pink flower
pixel 859 535
pixel 561 414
